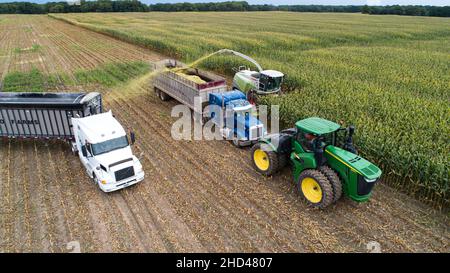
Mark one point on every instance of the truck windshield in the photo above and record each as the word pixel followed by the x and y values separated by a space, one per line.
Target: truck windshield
pixel 110 145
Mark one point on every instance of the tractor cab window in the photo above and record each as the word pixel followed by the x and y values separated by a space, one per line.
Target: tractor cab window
pixel 329 139
pixel 306 140
pixel 274 83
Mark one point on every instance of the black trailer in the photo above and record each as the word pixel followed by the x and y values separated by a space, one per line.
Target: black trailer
pixel 44 115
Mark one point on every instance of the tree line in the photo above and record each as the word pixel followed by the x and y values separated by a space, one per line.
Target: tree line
pixel 136 6
pixel 408 10
pixel 77 6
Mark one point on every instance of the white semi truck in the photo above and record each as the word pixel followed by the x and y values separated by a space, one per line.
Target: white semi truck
pixel 100 141
pixel 104 149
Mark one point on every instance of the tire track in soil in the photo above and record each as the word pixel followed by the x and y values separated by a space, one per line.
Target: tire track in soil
pixel 39 242
pixel 95 238
pixel 251 202
pixel 58 202
pixel 21 202
pixel 388 233
pixel 45 199
pixel 103 220
pixel 8 209
pixel 181 192
pixel 73 210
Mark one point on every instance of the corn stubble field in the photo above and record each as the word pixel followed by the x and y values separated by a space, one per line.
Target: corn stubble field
pixel 205 196
pixel 388 75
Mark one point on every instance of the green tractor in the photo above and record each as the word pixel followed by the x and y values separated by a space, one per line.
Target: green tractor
pixel 326 164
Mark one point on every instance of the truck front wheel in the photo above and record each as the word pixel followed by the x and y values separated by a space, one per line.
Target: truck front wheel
pixel 315 187
pixel 264 159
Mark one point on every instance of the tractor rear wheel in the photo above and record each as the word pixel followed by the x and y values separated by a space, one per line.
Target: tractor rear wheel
pixel 264 159
pixel 334 180
pixel 315 188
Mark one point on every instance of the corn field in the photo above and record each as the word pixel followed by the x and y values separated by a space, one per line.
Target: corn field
pixel 190 200
pixel 389 75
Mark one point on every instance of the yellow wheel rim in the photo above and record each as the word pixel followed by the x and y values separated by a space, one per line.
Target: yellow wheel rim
pixel 261 160
pixel 311 190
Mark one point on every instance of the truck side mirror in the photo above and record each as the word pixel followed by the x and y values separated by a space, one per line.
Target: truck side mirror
pixel 132 137
pixel 84 151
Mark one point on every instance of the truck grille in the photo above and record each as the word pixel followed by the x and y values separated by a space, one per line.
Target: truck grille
pixel 124 173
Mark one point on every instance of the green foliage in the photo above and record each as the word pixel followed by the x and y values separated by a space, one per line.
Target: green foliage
pixel 107 75
pixel 111 74
pixel 33 48
pixel 387 75
pixel 408 10
pixel 32 81
pixel 136 6
pixel 64 7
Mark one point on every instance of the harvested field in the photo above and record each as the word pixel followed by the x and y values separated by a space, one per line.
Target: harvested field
pixel 197 196
pixel 357 68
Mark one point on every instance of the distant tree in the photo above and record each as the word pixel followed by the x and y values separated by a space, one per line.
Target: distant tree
pixel 135 5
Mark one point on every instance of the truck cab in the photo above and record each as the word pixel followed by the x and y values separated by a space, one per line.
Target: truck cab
pixel 104 149
pixel 236 119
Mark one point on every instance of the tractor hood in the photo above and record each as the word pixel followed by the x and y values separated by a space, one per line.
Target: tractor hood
pixel 355 162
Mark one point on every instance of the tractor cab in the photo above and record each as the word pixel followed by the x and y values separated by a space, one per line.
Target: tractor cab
pixel 270 81
pixel 319 133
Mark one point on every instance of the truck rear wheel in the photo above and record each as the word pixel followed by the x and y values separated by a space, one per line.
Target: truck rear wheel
pixel 315 188
pixel 264 159
pixel 164 96
pixel 334 180
pixel 157 91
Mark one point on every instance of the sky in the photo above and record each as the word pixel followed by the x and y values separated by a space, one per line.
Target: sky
pixel 295 2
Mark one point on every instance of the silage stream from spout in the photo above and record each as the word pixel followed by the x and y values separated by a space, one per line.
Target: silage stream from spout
pixel 141 83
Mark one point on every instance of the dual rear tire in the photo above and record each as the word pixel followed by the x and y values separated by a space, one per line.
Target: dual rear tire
pixel 162 95
pixel 320 187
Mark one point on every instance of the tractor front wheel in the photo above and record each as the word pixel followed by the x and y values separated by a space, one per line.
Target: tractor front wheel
pixel 316 188
pixel 334 180
pixel 264 159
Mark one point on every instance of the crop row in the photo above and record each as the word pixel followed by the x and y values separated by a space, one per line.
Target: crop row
pixel 108 75
pixel 389 77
